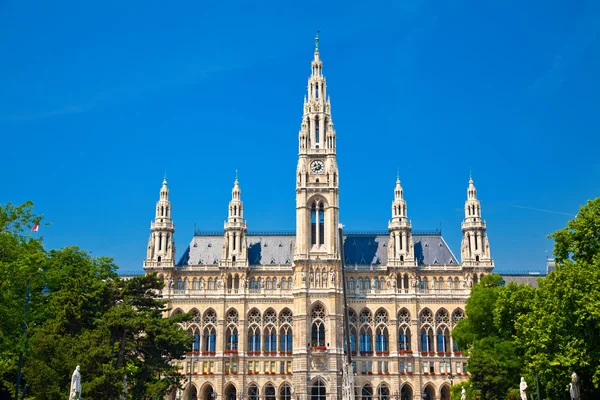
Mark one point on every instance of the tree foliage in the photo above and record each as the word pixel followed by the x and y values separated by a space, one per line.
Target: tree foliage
pixel 488 333
pixel 113 328
pixel 562 333
pixel 550 331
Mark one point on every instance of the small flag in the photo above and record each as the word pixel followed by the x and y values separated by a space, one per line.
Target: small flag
pixel 36 227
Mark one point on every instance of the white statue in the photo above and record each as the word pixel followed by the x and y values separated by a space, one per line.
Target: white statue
pixel 332 274
pixel 303 276
pixel 373 283
pixel 463 394
pixel 201 284
pixel 523 389
pixel 75 385
pixel 574 387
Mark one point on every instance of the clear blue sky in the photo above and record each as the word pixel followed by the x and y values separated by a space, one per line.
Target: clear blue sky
pixel 98 99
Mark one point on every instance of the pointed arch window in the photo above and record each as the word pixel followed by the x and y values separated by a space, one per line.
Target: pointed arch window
pixel 321 224
pixel 318 327
pixel 366 339
pixel 285 339
pixel 404 338
pixel 317 132
pixel 196 344
pixel 381 339
pixel 318 391
pixel 254 338
pixel 232 339
pixel 313 213
pixel 270 339
pixel 253 392
pixel 210 343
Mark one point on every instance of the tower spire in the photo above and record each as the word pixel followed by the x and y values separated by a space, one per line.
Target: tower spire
pixel 475 249
pixel 317 172
pixel 161 247
pixel 234 245
pixel 400 247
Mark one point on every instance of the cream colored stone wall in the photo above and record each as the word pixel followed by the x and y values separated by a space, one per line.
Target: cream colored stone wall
pixel 384 306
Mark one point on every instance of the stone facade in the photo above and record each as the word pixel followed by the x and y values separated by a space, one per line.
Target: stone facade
pixel 270 306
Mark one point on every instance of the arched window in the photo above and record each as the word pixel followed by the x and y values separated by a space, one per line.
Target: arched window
pixel 179 284
pixel 406 281
pixel 210 336
pixel 425 283
pixel 285 392
pixel 443 339
pixel 381 339
pixel 359 283
pixel 230 393
pixel 321 224
pixel 351 284
pixel 210 283
pixel 252 392
pixel 353 339
pixel 317 138
pixel 375 283
pixel 268 283
pixel 313 213
pixel 383 392
pixel 404 338
pixel 253 284
pixel 318 391
pixel 367 284
pixel 426 319
pixel 426 339
pixel 270 339
pixel 232 339
pixel 254 338
pixel 367 392
pixel 196 345
pixel 366 339
pixel 318 326
pixel 285 339
pixel 185 284
pixel 269 392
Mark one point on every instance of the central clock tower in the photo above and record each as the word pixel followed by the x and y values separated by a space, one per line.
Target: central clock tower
pixel 317 178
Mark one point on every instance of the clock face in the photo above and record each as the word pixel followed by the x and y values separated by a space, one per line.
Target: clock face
pixel 317 167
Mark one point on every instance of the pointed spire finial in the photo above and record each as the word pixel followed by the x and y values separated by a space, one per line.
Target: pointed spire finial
pixel 470 175
pixel 317 42
pixel 165 178
pixel 236 175
pixel 397 173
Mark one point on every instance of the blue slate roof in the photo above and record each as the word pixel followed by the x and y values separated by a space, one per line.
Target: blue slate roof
pixel 277 248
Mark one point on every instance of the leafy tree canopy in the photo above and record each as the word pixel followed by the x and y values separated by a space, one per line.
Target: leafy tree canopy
pixel 113 328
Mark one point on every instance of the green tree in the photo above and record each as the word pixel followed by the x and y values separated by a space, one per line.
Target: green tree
pixel 488 332
pixel 580 240
pixel 113 328
pixel 20 258
pixel 562 333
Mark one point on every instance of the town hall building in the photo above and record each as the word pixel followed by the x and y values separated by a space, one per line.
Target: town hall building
pixel 273 320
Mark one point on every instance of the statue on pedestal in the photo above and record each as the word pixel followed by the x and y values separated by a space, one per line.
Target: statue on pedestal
pixel 75 391
pixel 463 394
pixel 574 389
pixel 523 389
